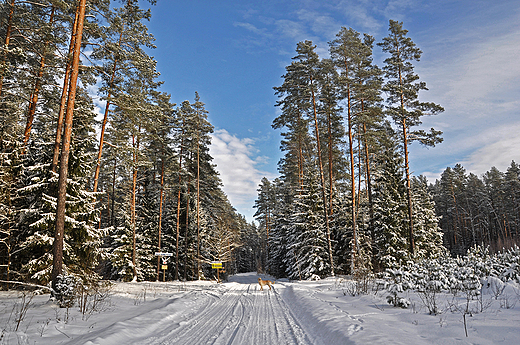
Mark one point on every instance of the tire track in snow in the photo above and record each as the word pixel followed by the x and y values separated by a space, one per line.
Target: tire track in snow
pixel 227 314
pixel 241 314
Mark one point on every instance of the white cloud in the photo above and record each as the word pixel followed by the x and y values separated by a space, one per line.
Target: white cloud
pixel 473 73
pixel 487 71
pixel 250 27
pixel 501 146
pixel 237 165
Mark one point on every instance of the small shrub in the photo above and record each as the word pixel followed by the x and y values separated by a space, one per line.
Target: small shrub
pixel 65 290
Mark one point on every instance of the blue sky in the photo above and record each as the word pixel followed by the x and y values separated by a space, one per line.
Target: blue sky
pixel 234 52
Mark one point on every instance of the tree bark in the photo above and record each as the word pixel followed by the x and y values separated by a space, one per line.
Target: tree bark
pixel 331 185
pixel 407 166
pixel 63 101
pixel 198 204
pixel 352 178
pixel 324 196
pixel 160 214
pixel 105 120
pixel 187 227
pixel 178 210
pixel 36 91
pixel 135 144
pixel 369 183
pixel 57 264
pixel 6 44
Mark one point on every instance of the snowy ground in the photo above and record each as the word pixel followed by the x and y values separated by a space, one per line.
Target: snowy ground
pixel 238 312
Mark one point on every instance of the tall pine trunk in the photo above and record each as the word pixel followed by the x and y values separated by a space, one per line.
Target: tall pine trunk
pixel 105 119
pixel 36 90
pixel 198 204
pixel 135 145
pixel 178 211
pixel 64 91
pixel 187 227
pixel 369 179
pixel 6 44
pixel 331 184
pixel 160 215
pixel 323 188
pixel 355 250
pixel 57 263
pixel 407 168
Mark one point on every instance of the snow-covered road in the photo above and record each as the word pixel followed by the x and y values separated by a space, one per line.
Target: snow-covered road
pixel 237 312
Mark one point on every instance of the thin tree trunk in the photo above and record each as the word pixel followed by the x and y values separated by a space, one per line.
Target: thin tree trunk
pixel 105 120
pixel 36 91
pixel 300 157
pixel 63 101
pixel 324 196
pixel 331 184
pixel 177 239
pixel 135 144
pixel 408 189
pixel 360 173
pixel 198 204
pixel 113 192
pixel 160 214
pixel 407 168
pixel 187 227
pixel 178 211
pixel 369 183
pixel 352 180
pixel 6 44
pixel 57 264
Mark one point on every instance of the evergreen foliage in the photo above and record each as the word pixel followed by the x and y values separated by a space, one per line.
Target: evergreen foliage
pixel 345 201
pixel 149 151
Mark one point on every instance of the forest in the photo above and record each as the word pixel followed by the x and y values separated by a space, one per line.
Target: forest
pixel 97 197
pixel 345 201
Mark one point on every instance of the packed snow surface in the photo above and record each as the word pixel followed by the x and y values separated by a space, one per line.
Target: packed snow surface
pixel 238 312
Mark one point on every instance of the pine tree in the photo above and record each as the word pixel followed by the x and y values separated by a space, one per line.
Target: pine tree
pixel 360 87
pixel 403 88
pixel 330 119
pixel 310 69
pixel 161 150
pixel 124 38
pixel 293 102
pixel 65 149
pixel 494 180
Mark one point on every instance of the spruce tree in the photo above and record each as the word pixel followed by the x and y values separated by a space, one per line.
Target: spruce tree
pixel 265 205
pixel 310 69
pixel 390 220
pixel 428 235
pixel 307 242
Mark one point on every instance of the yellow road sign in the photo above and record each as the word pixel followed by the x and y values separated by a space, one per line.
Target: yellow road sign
pixel 216 265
